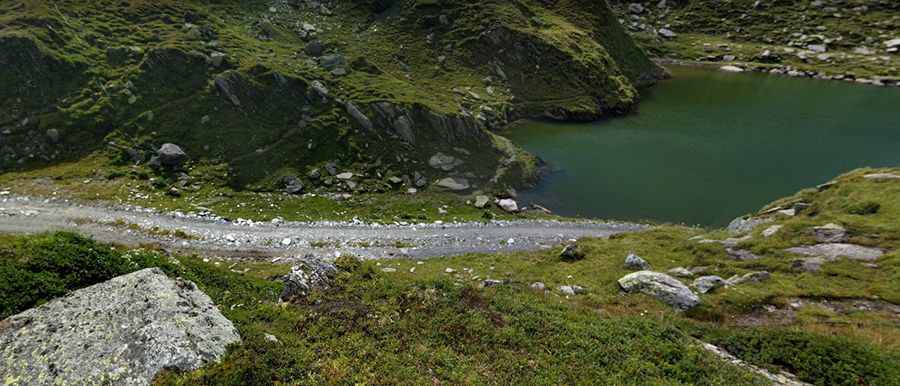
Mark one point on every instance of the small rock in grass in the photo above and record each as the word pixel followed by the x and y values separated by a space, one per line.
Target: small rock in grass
pixel 706 284
pixel 571 252
pixel 830 233
pixel 680 272
pixel 509 205
pixel 771 231
pixel 538 286
pixel 661 286
pixel 271 338
pixel 636 262
pixel 492 283
pixel 752 277
pixel 812 264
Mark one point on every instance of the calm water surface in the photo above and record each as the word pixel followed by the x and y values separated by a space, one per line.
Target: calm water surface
pixel 706 147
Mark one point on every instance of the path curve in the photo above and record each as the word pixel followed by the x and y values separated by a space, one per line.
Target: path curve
pixel 286 241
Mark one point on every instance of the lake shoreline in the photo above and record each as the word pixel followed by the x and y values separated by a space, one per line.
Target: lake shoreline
pixel 783 71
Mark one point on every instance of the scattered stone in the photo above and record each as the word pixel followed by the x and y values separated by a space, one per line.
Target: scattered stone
pixel 635 8
pixel 492 283
pixel 482 201
pixel 441 161
pixel 292 185
pixel 788 212
pixel 360 118
pixel 882 176
pixel 635 262
pixel 389 270
pixel 306 277
pixel 661 286
pixel 538 286
pixel 271 338
pixel 705 284
pixel 743 225
pixel 571 290
pixel 819 48
pixel 833 251
pixel 741 254
pixel 680 272
pixel 812 264
pixel 216 58
pixel 171 155
pixel 509 205
pixel 571 252
pixel 752 277
pixel 345 176
pixel 771 231
pixel 286 242
pixel 830 233
pixel 53 135
pixel 456 184
pixel 314 48
pixel 667 33
pixel 123 331
pixel 892 43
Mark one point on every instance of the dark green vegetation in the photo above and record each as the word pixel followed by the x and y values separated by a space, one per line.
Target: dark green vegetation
pixel 423 325
pixel 706 147
pixel 853 33
pixel 261 91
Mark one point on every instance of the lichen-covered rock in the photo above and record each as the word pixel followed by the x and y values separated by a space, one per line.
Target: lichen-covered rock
pixel 833 251
pixel 661 286
pixel 633 261
pixel 122 332
pixel 308 276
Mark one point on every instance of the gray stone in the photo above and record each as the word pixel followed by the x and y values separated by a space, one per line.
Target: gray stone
pixel 538 286
pixel 344 176
pixel 53 135
pixel 882 176
pixel 171 155
pixel 892 43
pixel 706 284
pixel 743 225
pixel 680 272
pixel 216 58
pixel 441 161
pixel 224 85
pixel 833 251
pixel 817 48
pixel 635 262
pixel 752 277
pixel 309 276
pixel 741 254
pixel 331 62
pixel 121 332
pixel 661 286
pixel 571 252
pixel 456 184
pixel 482 201
pixel 771 231
pixel 830 233
pixel 571 290
pixel 667 33
pixel 509 205
pixel 492 283
pixel 635 8
pixel 292 185
pixel 812 264
pixel 359 117
pixel 315 48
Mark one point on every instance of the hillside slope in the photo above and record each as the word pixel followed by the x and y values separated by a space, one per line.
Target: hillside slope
pixel 279 89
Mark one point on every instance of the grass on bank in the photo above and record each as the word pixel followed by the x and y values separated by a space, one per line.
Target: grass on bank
pixel 423 325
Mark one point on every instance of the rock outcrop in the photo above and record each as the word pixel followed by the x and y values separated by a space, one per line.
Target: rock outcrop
pixel 122 332
pixel 661 286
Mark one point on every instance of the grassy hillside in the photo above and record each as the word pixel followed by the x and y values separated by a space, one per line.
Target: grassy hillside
pixel 412 322
pixel 269 89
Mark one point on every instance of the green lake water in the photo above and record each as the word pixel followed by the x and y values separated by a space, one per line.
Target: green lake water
pixel 708 146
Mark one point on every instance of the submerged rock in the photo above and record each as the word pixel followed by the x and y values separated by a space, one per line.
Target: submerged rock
pixel 661 286
pixel 123 331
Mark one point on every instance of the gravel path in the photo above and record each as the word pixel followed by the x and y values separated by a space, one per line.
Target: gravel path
pixel 286 241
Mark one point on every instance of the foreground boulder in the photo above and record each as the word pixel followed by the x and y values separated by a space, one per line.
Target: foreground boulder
pixel 661 286
pixel 123 331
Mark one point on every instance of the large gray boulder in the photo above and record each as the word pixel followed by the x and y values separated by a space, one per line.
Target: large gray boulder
pixel 661 286
pixel 120 332
pixel 171 155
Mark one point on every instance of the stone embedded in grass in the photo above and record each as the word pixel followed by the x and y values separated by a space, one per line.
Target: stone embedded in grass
pixel 812 264
pixel 441 161
pixel 741 254
pixel 882 177
pixel 538 286
pixel 454 183
pixel 508 205
pixel 680 272
pixel 661 286
pixel 306 277
pixel 830 233
pixel 123 331
pixel 492 283
pixel 752 277
pixel 706 284
pixel 571 252
pixel 833 251
pixel 482 201
pixel 171 155
pixel 571 290
pixel 771 231
pixel 743 225
pixel 635 262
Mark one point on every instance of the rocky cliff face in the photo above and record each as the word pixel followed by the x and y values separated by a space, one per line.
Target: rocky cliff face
pixel 280 88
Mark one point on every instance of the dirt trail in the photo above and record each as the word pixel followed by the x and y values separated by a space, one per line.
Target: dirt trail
pixel 286 241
